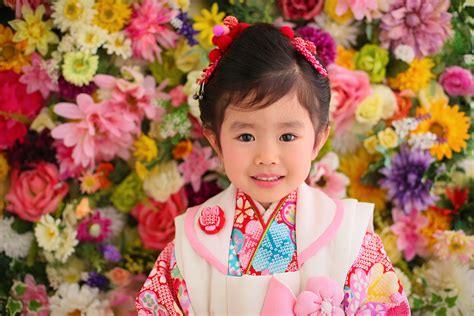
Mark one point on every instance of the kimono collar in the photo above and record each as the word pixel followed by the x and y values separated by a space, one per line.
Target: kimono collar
pixel 318 218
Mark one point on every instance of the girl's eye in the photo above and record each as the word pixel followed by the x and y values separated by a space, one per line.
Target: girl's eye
pixel 287 137
pixel 246 138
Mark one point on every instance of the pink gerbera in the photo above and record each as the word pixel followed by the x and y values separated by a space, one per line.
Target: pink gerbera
pixel 37 78
pixel 196 164
pixel 94 228
pixel 325 176
pixel 149 27
pixel 408 229
pixel 97 132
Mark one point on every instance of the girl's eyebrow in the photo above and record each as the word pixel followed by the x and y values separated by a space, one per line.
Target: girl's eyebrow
pixel 243 125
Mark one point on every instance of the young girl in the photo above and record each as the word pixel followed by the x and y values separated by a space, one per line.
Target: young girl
pixel 270 244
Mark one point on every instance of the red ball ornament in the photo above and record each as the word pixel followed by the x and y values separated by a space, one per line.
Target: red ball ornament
pixel 211 220
pixel 214 55
pixel 287 31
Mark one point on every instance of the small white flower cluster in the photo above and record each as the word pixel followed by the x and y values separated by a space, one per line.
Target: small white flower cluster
pixel 14 245
pixel 423 141
pixel 404 53
pixel 405 126
pixel 174 124
pixel 56 238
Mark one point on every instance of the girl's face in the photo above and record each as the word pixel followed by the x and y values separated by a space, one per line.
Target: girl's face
pixel 267 153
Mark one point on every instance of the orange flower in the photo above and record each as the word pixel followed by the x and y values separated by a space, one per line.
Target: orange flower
pixel 119 276
pixel 83 208
pixel 183 149
pixel 103 171
pixel 403 108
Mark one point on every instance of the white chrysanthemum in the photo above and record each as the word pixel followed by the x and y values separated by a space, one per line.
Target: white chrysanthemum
pixel 71 14
pixel 90 38
pixel 118 219
pixel 423 141
pixel 163 181
pixel 72 299
pixel 14 245
pixel 190 88
pixel 445 274
pixel 404 280
pixel 345 34
pixel 67 45
pixel 349 141
pixel 117 43
pixel 67 245
pixel 47 233
pixel 404 53
pixel 389 101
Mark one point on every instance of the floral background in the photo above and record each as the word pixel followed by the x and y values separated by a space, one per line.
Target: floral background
pixel 101 144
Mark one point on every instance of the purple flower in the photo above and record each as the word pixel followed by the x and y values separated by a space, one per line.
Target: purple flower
pixel 325 44
pixel 111 253
pixel 95 279
pixel 185 27
pixel 404 180
pixel 423 25
pixel 69 92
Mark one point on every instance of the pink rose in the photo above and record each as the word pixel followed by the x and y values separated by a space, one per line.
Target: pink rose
pixel 457 81
pixel 348 89
pixel 295 10
pixel 156 219
pixel 17 108
pixel 36 192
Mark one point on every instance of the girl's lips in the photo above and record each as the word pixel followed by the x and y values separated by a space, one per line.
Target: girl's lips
pixel 267 183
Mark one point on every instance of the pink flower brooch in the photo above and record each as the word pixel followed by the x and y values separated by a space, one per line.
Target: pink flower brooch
pixel 212 219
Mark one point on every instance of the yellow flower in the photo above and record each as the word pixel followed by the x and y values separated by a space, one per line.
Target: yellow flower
pixel 370 144
pixel 388 138
pixel 112 15
pixel 3 167
pixel 145 148
pixel 90 183
pixel 72 14
pixel 182 149
pixel 205 22
pixel 431 93
pixel 11 53
pixel 345 57
pixel 354 167
pixel 415 78
pixel 188 58
pixel 141 170
pixel 330 10
pixel 34 30
pixel 436 221
pixel 450 125
pixel 369 110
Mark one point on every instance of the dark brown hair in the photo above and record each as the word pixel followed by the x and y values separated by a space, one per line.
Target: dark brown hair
pixel 259 68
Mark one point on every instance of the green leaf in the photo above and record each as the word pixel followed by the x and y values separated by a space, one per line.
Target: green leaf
pixel 19 289
pixel 34 306
pixel 14 306
pixel 451 301
pixel 435 299
pixel 441 312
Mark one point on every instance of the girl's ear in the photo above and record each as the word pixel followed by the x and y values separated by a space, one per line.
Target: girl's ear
pixel 320 140
pixel 212 139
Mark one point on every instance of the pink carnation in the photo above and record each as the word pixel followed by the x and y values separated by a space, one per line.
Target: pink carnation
pixel 17 108
pixel 37 78
pixel 408 229
pixel 136 96
pixel 295 10
pixel 325 176
pixel 457 81
pixel 36 192
pixel 196 164
pixel 348 89
pixel 156 219
pixel 96 132
pixel 423 25
pixel 149 27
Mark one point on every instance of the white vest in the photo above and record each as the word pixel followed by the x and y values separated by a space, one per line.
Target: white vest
pixel 328 239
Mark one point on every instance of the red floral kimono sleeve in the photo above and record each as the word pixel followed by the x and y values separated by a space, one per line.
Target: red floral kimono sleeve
pixel 372 286
pixel 164 292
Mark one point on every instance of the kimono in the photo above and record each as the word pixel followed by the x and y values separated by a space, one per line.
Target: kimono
pixel 306 254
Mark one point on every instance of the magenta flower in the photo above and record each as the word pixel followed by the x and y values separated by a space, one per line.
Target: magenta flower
pixel 408 229
pixel 96 132
pixel 457 81
pixel 325 44
pixel 135 96
pixel 37 78
pixel 423 25
pixel 94 228
pixel 148 28
pixel 196 164
pixel 325 177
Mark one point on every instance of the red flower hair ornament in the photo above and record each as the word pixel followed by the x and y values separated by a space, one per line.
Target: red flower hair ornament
pixel 225 34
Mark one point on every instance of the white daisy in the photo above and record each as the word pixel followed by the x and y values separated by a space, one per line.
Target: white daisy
pixel 90 38
pixel 345 34
pixel 163 181
pixel 67 245
pixel 71 14
pixel 14 245
pixel 72 299
pixel 117 43
pixel 47 233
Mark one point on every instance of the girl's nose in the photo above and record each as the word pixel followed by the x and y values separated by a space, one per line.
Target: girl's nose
pixel 267 154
